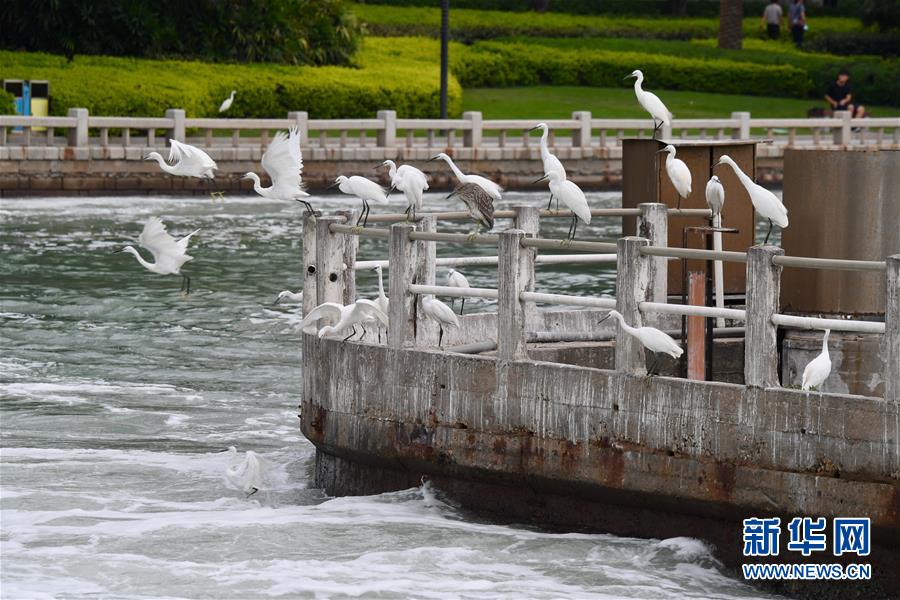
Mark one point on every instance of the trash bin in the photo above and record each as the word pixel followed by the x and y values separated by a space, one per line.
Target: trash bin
pixel 16 87
pixel 40 100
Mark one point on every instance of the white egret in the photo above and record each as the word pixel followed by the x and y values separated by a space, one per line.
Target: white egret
pixel 247 474
pixel 493 190
pixel 551 163
pixel 351 315
pixel 226 104
pixel 572 196
pixel 678 172
pixel 650 338
pixel 283 162
pixel 409 180
pixel 651 103
pixel 765 202
pixel 364 189
pixel 818 369
pixel 440 312
pixel 715 196
pixel 458 280
pixel 185 161
pixel 168 253
pixel 382 300
pixel 289 296
pixel 479 204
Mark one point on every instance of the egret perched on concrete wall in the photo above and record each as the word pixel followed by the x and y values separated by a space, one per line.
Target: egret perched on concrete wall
pixel 492 189
pixel 364 189
pixel 226 104
pixel 650 338
pixel 479 204
pixel 678 173
pixel 289 296
pixel 457 280
pixel 170 254
pixel 765 202
pixel 550 162
pixel 283 162
pixel 345 316
pixel 651 103
pixel 185 161
pixel 247 474
pixel 409 180
pixel 440 312
pixel 818 369
pixel 715 196
pixel 382 300
pixel 572 196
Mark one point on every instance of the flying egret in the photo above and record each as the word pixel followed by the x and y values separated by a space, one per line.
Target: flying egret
pixel 651 338
pixel 226 104
pixel 493 190
pixel 572 196
pixel 245 474
pixel 409 180
pixel 170 254
pixel 185 161
pixel 440 312
pixel 283 162
pixel 551 163
pixel 364 189
pixel 678 172
pixel 715 196
pixel 289 296
pixel 349 315
pixel 458 280
pixel 765 202
pixel 818 369
pixel 479 204
pixel 651 103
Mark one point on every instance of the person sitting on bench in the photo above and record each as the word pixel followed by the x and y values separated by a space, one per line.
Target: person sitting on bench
pixel 840 97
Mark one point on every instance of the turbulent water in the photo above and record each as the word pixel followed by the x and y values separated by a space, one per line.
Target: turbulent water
pixel 118 395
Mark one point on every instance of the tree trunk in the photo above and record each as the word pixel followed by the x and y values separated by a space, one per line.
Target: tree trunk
pixel 731 30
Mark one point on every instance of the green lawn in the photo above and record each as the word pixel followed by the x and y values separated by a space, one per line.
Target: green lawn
pixel 558 102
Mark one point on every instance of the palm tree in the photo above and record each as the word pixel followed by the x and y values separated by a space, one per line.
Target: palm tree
pixel 731 26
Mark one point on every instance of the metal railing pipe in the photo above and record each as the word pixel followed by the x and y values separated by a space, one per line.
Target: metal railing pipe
pixel 693 311
pixel 568 300
pixel 833 324
pixel 454 292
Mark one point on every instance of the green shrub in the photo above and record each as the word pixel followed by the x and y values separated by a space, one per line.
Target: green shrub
pixel 6 103
pixel 852 43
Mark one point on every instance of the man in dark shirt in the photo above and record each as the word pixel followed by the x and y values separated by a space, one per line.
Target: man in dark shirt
pixel 840 97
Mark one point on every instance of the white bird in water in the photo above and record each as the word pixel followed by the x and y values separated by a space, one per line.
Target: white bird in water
pixel 226 104
pixel 492 189
pixel 651 338
pixel 345 316
pixel 364 189
pixel 651 103
pixel 440 312
pixel 409 180
pixel 818 369
pixel 185 161
pixel 168 253
pixel 289 296
pixel 479 204
pixel 765 202
pixel 551 163
pixel 715 196
pixel 678 172
pixel 247 474
pixel 572 196
pixel 458 280
pixel 283 162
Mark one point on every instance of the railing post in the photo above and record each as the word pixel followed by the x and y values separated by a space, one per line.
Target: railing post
pixel 842 133
pixel 78 136
pixel 891 341
pixel 632 276
pixel 387 137
pixel 427 330
pixel 742 131
pixel 665 132
pixel 351 245
pixel 310 298
pixel 653 225
pixel 581 137
pixel 402 257
pixel 301 120
pixel 528 219
pixel 177 131
pixel 761 337
pixel 472 136
pixel 515 269
pixel 330 259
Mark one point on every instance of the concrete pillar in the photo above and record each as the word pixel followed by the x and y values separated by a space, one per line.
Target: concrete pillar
pixel 472 136
pixel 301 121
pixel 581 137
pixel 177 131
pixel 78 135
pixel 761 340
pixel 402 257
pixel 632 277
pixel 653 225
pixel 515 271
pixel 842 133
pixel 387 137
pixel 310 299
pixel 351 245
pixel 427 330
pixel 891 341
pixel 330 260
pixel 742 132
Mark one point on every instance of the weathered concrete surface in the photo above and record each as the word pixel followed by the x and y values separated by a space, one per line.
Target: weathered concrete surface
pixel 586 448
pixel 856 361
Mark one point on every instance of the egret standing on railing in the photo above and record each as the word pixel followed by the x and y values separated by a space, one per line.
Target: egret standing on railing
pixel 409 180
pixel 572 196
pixel 479 204
pixel 551 163
pixel 283 162
pixel 765 202
pixel 715 197
pixel 818 369
pixel 651 103
pixel 170 254
pixel 351 315
pixel 185 161
pixel 651 338
pixel 440 312
pixel 678 172
pixel 382 300
pixel 364 189
pixel 457 280
pixel 492 189
pixel 289 296
pixel 226 104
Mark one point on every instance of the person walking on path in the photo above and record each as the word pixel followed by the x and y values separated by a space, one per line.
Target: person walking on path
pixel 797 20
pixel 773 17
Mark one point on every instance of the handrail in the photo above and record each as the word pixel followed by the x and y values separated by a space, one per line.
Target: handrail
pixel 691 310
pixel 839 264
pixel 567 299
pixel 454 292
pixel 833 324
pixel 478 261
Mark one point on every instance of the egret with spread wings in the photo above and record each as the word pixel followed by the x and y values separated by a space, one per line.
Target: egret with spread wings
pixel 349 316
pixel 185 161
pixel 283 162
pixel 168 253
